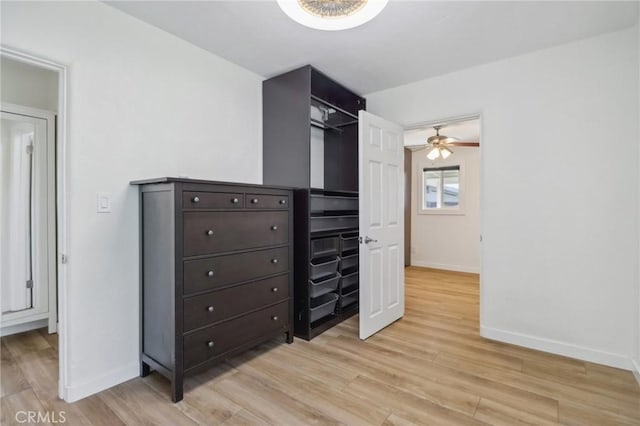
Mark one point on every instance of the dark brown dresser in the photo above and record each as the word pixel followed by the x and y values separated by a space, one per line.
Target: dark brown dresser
pixel 217 272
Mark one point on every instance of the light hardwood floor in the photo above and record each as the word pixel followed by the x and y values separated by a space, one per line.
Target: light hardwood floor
pixel 431 367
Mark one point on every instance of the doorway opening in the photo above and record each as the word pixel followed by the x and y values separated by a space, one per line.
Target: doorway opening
pixel 27 219
pixel 33 211
pixel 443 205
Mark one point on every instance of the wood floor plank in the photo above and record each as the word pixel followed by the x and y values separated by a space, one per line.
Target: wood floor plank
pixel 407 404
pixel 13 381
pixel 96 411
pixel 52 339
pixel 204 405
pixel 313 392
pixel 576 414
pixel 495 413
pixel 137 403
pixel 396 420
pixel 612 376
pixel 417 374
pixel 266 402
pixel 548 388
pixel 25 343
pixel 16 406
pixel 244 418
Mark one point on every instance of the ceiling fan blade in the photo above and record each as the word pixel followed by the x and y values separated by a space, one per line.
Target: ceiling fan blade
pixel 464 143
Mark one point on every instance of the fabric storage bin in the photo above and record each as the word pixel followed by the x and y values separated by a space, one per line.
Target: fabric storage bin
pixel 321 203
pixel 349 244
pixel 332 223
pixel 322 306
pixel 324 247
pixel 319 270
pixel 348 281
pixel 318 288
pixel 349 262
pixel 349 299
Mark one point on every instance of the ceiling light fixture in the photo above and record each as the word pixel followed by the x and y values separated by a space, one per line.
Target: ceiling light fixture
pixel 332 15
pixel 439 145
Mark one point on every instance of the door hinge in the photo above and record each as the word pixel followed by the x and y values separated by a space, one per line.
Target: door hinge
pixel 29 283
pixel 29 149
pixel 64 259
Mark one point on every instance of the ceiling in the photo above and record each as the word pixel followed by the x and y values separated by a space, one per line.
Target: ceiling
pixel 464 131
pixel 408 41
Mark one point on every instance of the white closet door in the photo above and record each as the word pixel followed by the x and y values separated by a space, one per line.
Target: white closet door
pixel 381 194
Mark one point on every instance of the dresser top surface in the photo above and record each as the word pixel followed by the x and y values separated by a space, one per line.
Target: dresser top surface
pixel 169 179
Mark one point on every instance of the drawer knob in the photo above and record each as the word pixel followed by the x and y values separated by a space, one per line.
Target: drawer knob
pixel 254 201
pixel 275 318
pixel 274 261
pixel 274 228
pixel 275 289
pixel 235 200
pixel 210 343
pixel 209 273
pixel 283 201
pixel 209 232
pixel 210 309
pixel 196 199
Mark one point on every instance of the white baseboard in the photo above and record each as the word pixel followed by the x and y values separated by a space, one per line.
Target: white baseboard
pixel 636 370
pixel 105 381
pixel 456 268
pixel 558 348
pixel 21 328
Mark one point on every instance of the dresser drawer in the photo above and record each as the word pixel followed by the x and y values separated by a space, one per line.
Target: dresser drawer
pixel 212 200
pixel 218 339
pixel 228 303
pixel 217 232
pixel 220 271
pixel 261 201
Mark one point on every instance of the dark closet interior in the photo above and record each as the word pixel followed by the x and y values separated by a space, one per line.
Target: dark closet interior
pixel 310 136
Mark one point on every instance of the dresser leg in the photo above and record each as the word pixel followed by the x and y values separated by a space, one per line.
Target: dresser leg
pixel 145 370
pixel 176 389
pixel 289 336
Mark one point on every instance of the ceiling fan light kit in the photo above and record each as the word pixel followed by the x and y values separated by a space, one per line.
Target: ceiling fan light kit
pixel 332 15
pixel 433 154
pixel 439 145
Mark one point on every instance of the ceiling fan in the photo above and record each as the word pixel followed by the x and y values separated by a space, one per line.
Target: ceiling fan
pixel 440 145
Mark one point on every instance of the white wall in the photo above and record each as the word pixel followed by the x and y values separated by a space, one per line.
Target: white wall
pixel 560 209
pixel 23 84
pixel 446 241
pixel 142 103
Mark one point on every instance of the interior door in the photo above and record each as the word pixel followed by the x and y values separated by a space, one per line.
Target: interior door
pixel 381 172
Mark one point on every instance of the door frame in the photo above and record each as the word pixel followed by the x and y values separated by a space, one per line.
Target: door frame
pixel 62 199
pixel 452 119
pixel 45 306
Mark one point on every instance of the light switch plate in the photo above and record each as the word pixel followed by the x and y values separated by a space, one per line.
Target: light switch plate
pixel 103 201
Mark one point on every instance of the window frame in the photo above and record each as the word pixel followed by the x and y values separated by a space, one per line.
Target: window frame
pixel 459 209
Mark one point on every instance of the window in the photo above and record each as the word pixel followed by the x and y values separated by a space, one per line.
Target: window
pixel 441 186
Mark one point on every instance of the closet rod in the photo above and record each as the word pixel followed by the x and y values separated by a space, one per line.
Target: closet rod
pixel 330 105
pixel 347 123
pixel 325 126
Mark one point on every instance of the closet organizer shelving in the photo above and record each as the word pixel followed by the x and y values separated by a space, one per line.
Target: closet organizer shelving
pixel 310 134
